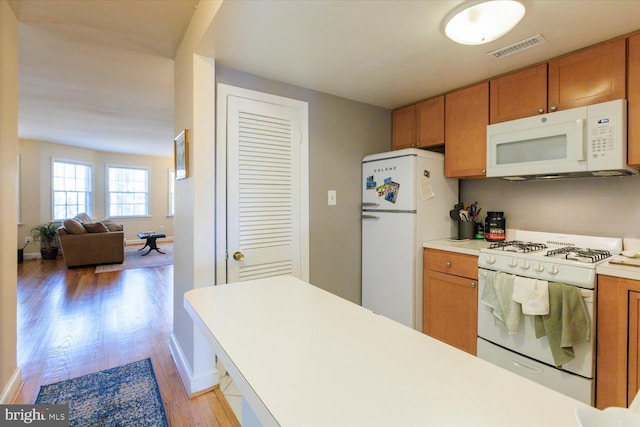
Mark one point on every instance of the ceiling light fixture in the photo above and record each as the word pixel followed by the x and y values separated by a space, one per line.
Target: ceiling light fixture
pixel 479 22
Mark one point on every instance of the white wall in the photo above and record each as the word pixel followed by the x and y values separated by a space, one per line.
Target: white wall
pixel 10 377
pixel 194 233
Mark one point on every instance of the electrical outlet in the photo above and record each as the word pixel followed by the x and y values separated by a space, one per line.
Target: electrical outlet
pixel 28 239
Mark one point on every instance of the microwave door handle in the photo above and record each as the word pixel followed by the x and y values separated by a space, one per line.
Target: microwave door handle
pixel 580 137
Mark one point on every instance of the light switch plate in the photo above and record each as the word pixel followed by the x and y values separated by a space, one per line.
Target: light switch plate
pixel 331 198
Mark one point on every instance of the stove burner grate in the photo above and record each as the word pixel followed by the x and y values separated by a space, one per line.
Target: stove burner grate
pixel 518 246
pixel 579 254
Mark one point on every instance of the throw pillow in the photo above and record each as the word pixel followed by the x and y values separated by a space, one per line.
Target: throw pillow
pixel 83 218
pixel 96 227
pixel 112 226
pixel 73 226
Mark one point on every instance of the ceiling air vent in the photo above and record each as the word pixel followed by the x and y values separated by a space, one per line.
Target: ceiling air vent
pixel 518 46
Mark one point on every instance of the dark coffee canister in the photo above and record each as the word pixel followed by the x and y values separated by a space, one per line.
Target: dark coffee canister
pixel 495 227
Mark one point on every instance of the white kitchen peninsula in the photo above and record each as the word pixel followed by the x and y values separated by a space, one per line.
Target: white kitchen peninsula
pixel 304 357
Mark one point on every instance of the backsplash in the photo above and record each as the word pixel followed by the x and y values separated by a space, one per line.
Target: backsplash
pixel 591 206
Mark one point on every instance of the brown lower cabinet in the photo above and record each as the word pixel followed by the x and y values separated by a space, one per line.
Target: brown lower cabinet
pixel 450 311
pixel 618 341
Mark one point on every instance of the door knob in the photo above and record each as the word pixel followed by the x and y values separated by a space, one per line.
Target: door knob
pixel 238 256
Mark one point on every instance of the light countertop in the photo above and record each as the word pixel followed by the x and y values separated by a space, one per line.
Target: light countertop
pixel 469 247
pixel 472 247
pixel 304 357
pixel 618 270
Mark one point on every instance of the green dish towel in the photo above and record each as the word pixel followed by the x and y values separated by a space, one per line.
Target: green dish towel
pixel 566 324
pixel 497 295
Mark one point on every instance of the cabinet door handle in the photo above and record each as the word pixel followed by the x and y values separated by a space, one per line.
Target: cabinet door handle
pixel 473 285
pixel 447 264
pixel 540 110
pixel 417 144
pixel 554 108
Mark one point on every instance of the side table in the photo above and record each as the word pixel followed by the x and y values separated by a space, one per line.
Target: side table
pixel 151 238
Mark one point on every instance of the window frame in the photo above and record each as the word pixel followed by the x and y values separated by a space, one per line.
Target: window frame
pixel 107 193
pixel 90 193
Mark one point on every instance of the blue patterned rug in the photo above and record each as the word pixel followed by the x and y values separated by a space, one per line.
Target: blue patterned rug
pixel 127 395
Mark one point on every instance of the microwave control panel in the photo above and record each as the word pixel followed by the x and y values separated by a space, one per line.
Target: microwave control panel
pixel 601 139
pixel 607 142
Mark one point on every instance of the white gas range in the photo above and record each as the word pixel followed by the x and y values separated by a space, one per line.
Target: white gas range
pixel 563 258
pixel 550 257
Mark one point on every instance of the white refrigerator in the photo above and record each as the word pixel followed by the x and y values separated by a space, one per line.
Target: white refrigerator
pixel 405 201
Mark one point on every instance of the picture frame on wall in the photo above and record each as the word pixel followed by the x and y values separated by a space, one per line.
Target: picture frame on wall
pixel 181 154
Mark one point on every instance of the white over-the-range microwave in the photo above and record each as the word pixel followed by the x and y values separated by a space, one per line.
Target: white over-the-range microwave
pixel 584 141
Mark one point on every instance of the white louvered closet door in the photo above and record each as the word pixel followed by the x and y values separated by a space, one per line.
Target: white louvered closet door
pixel 263 190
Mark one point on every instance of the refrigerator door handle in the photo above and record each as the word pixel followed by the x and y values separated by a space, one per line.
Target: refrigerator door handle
pixel 369 204
pixel 370 217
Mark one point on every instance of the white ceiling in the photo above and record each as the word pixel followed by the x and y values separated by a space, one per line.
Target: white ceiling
pixel 99 73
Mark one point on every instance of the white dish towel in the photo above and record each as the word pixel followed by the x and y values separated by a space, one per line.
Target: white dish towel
pixel 532 294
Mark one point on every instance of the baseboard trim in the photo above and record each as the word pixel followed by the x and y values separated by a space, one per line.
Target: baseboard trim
pixel 12 388
pixel 194 386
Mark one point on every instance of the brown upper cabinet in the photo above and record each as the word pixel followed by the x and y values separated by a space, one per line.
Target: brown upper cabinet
pixel 587 77
pixel 419 125
pixel 633 104
pixel 467 117
pixel 403 127
pixel 518 95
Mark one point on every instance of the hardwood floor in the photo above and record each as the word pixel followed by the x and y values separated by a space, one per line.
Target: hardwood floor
pixel 75 322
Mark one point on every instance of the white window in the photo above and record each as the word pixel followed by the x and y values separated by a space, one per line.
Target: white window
pixel 171 196
pixel 127 191
pixel 71 189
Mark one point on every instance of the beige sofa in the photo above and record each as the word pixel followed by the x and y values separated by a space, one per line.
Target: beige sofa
pixel 84 242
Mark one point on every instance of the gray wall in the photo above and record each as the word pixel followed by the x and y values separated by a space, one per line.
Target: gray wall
pixel 341 133
pixel 591 206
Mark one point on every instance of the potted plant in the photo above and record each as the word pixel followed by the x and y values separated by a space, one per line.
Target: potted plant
pixel 47 234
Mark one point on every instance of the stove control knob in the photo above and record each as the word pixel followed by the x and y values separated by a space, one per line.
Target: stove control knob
pixel 539 268
pixel 513 263
pixel 552 269
pixel 491 259
pixel 524 264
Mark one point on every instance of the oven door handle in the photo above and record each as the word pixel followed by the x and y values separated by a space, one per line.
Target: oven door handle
pixel 534 369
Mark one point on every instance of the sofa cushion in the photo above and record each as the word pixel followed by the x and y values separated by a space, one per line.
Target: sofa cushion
pixel 73 226
pixel 112 226
pixel 96 227
pixel 83 218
